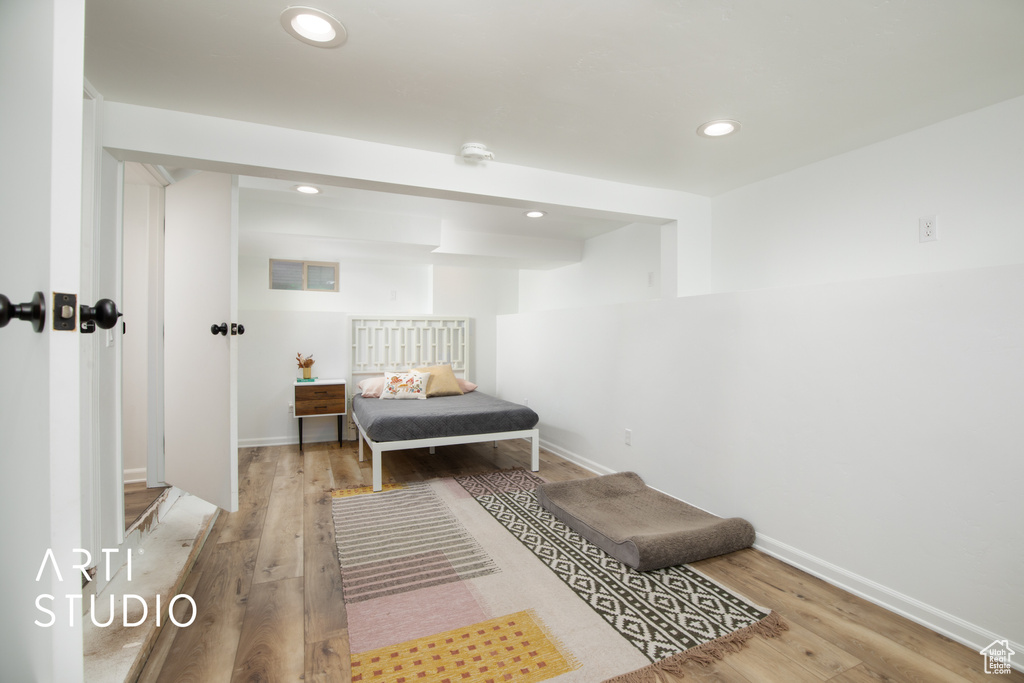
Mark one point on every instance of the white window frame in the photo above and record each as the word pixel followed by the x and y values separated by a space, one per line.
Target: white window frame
pixel 305 274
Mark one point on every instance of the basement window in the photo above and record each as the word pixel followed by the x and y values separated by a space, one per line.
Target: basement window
pixel 310 276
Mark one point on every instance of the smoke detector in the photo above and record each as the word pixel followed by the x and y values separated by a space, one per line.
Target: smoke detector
pixel 476 151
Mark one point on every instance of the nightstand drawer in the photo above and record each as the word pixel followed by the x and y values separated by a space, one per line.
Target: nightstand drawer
pixel 320 399
pixel 319 407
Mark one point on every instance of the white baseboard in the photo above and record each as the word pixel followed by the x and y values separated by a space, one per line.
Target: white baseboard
pixel 575 458
pixel 953 627
pixel 281 441
pixel 268 441
pixel 135 475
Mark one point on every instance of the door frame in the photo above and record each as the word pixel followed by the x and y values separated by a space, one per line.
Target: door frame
pixel 100 395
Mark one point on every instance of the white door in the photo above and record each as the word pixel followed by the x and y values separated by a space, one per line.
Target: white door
pixel 40 251
pixel 200 367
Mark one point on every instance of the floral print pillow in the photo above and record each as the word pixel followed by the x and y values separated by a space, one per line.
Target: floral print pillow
pixel 405 385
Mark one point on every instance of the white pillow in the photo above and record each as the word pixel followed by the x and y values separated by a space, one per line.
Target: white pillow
pixel 371 387
pixel 405 384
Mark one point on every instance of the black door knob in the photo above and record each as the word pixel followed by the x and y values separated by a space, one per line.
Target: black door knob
pixel 34 310
pixel 104 314
pixel 219 329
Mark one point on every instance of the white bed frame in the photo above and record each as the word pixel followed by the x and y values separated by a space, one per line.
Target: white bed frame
pixel 382 344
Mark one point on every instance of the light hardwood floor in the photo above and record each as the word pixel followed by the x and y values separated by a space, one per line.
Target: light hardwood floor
pixel 137 499
pixel 268 592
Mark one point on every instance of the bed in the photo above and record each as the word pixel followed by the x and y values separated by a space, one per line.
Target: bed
pixel 380 345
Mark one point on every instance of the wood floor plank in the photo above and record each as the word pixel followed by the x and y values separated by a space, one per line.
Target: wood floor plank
pixel 345 469
pixel 796 605
pixel 910 635
pixel 860 674
pixel 325 615
pixel 168 632
pixel 717 672
pixel 270 646
pixel 812 652
pixel 328 661
pixel 245 458
pixel 137 500
pixel 760 662
pixel 280 555
pixel 205 651
pixel 254 486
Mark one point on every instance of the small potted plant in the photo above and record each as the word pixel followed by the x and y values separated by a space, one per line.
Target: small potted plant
pixel 306 364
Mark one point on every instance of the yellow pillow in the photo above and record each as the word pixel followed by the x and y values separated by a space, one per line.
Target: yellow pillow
pixel 442 381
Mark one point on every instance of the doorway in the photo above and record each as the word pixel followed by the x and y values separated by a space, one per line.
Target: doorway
pixel 141 338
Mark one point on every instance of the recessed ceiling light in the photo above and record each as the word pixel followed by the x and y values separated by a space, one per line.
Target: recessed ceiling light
pixel 535 214
pixel 313 26
pixel 307 189
pixel 716 129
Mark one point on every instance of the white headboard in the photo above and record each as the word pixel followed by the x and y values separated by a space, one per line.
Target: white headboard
pixel 385 343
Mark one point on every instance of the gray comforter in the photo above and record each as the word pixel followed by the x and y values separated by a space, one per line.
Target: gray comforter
pixel 440 416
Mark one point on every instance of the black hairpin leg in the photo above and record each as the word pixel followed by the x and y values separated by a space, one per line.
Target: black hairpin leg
pixel 300 434
pixel 339 429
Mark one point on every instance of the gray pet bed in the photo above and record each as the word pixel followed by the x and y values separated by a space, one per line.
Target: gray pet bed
pixel 639 526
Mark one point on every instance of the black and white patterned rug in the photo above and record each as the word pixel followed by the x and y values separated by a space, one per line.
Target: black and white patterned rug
pixel 661 613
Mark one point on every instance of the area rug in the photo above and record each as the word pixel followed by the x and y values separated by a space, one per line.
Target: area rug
pixel 470 579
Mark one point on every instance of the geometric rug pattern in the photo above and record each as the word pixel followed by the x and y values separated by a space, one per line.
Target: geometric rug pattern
pixel 514 646
pixel 660 612
pixel 471 579
pixel 403 541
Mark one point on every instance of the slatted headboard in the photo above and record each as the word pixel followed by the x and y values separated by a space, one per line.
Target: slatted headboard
pixel 386 343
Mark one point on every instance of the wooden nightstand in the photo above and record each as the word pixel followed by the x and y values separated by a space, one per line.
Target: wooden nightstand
pixel 319 398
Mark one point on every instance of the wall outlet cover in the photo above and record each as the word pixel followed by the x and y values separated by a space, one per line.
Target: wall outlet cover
pixel 927 229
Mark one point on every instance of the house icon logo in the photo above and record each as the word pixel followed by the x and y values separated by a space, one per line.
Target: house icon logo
pixel 997 657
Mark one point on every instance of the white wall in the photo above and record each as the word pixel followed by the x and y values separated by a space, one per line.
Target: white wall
pixel 873 426
pixel 856 215
pixel 482 294
pixel 279 324
pixel 267 372
pixel 624 265
pixel 282 323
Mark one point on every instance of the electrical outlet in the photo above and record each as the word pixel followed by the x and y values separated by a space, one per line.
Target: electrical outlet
pixel 927 229
pixel 629 437
pixel 290 407
pixel 526 401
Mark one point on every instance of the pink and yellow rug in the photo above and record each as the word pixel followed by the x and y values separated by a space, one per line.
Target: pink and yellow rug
pixel 470 579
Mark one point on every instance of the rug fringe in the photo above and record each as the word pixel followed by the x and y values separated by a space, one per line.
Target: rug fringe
pixel 707 653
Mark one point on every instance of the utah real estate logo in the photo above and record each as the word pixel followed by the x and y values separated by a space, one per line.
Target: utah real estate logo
pixel 997 657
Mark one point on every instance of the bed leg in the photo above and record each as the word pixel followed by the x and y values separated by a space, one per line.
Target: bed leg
pixel 431 450
pixel 359 438
pixel 535 452
pixel 378 482
pixel 495 444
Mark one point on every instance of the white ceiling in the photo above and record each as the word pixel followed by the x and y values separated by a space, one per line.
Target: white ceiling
pixel 352 224
pixel 611 89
